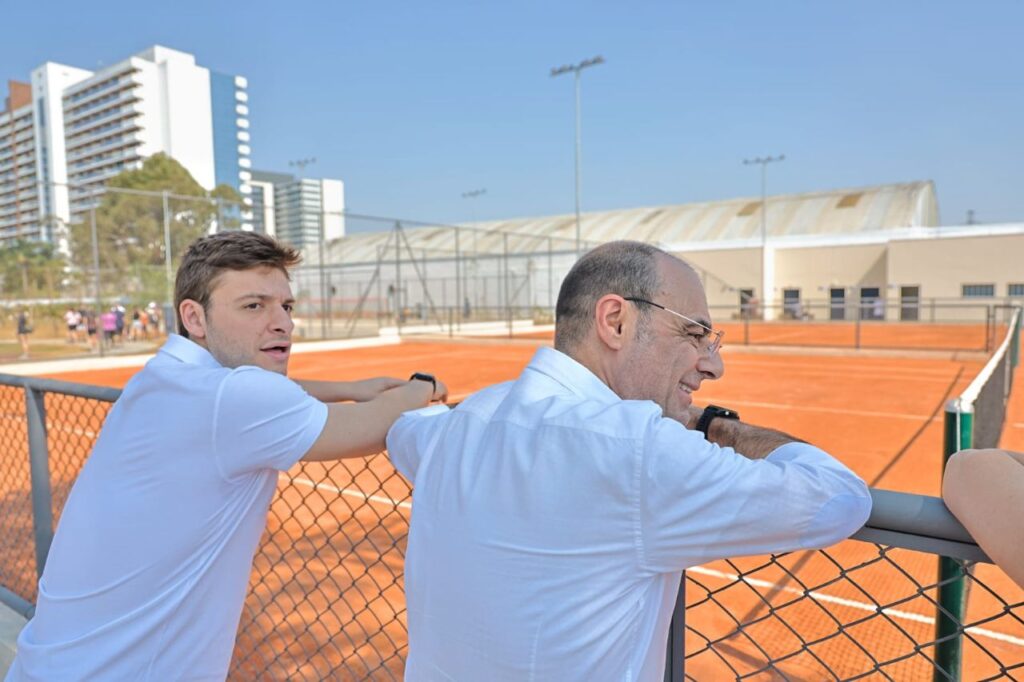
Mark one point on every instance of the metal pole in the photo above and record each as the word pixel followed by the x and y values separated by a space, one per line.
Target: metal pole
pixel 169 294
pixel 579 145
pixel 551 285
pixel 952 592
pixel 458 276
pixel 323 290
pixel 675 657
pixel 504 281
pixel 39 467
pixel 96 278
pixel 398 277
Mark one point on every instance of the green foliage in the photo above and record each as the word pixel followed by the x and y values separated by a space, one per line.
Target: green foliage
pixel 30 269
pixel 130 227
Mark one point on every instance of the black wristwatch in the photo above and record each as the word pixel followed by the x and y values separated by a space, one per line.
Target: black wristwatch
pixel 420 376
pixel 711 412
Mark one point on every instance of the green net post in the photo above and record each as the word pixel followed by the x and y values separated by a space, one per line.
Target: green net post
pixel 952 594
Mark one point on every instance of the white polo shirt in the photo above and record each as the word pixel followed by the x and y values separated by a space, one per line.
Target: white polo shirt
pixel 551 520
pixel 150 564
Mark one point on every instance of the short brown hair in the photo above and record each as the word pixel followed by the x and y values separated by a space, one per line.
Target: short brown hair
pixel 625 268
pixel 207 257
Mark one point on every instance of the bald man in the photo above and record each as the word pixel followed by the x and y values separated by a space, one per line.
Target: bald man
pixel 553 515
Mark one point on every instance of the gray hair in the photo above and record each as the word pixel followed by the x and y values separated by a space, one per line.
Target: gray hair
pixel 625 268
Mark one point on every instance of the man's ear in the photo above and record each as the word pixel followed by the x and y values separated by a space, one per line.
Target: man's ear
pixel 193 317
pixel 613 321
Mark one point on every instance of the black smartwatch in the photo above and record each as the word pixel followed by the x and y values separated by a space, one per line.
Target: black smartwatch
pixel 711 412
pixel 420 376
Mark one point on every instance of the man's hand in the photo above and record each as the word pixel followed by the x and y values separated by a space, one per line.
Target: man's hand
pixel 441 393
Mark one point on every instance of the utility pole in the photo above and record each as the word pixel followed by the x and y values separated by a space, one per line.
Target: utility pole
pixel 575 69
pixel 766 272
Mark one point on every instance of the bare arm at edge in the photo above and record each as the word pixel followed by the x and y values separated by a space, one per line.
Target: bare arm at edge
pixel 985 490
pixel 359 429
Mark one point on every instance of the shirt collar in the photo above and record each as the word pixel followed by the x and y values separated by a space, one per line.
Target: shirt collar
pixel 569 373
pixel 188 351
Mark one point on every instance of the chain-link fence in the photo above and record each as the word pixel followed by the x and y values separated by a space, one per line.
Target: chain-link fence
pixel 326 595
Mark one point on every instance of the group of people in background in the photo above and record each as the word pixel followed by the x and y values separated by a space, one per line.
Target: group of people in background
pixel 113 326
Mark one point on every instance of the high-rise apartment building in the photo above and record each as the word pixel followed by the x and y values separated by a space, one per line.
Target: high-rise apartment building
pixel 291 209
pixel 68 132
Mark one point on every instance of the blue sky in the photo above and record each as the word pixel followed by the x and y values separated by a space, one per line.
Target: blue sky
pixel 414 103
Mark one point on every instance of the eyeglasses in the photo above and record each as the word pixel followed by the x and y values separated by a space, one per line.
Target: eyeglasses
pixel 711 342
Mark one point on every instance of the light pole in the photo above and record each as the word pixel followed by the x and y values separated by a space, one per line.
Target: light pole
pixel 575 69
pixel 766 284
pixel 301 165
pixel 474 194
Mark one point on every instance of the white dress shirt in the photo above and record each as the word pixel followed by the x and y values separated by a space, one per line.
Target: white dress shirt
pixel 551 520
pixel 150 563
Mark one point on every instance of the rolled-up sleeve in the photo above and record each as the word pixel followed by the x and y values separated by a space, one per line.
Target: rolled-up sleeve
pixel 409 436
pixel 701 502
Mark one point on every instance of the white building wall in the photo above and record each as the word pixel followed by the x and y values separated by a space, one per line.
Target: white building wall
pixel 333 199
pixel 48 84
pixel 186 113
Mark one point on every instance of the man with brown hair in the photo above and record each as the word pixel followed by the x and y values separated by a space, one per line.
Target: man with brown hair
pixel 148 570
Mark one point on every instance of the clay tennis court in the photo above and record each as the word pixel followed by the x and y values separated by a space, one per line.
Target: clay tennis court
pixel 327 595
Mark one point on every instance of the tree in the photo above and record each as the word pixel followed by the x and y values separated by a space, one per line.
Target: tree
pixel 130 225
pixel 30 269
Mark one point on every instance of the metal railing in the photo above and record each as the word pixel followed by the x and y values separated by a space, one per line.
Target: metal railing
pixel 326 597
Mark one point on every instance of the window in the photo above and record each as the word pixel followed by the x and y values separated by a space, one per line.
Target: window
pixel 1015 289
pixel 979 290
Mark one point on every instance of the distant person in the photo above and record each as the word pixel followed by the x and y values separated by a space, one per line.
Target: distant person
pixel 24 329
pixel 985 490
pixel 553 514
pixel 92 327
pixel 149 567
pixel 878 308
pixel 72 319
pixel 83 325
pixel 135 332
pixel 108 320
pixel 119 313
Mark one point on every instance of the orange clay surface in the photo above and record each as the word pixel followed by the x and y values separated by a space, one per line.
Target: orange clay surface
pixel 326 599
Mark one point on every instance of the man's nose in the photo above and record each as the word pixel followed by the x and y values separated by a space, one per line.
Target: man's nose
pixel 711 366
pixel 282 321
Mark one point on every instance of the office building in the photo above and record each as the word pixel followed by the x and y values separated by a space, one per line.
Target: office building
pixel 70 130
pixel 291 208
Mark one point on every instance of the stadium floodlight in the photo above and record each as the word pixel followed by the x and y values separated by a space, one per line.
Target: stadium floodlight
pixel 575 69
pixel 763 161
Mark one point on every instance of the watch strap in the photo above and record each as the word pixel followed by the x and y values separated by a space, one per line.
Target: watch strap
pixel 423 376
pixel 710 413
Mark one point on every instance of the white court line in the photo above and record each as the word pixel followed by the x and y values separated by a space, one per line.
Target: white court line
pixel 861 606
pixel 350 492
pixel 833 411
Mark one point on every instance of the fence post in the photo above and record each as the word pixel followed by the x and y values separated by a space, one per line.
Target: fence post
pixel 675 657
pixel 39 468
pixel 952 593
pixel 1015 320
pixel 856 327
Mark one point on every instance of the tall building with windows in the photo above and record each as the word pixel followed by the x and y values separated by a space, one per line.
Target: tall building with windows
pixel 291 209
pixel 74 129
pixel 19 179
